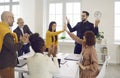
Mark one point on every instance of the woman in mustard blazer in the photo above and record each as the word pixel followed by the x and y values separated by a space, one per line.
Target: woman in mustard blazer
pixel 52 36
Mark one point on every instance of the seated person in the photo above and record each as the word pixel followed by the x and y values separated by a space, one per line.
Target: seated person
pixel 40 65
pixel 89 64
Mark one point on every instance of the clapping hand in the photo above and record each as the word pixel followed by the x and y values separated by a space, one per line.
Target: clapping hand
pixel 64 27
pixel 52 50
pixel 26 35
pixel 81 66
pixel 68 21
pixel 24 38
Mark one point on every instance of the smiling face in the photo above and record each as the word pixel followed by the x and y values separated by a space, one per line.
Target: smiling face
pixel 10 20
pixel 7 17
pixel 20 22
pixel 53 27
pixel 84 17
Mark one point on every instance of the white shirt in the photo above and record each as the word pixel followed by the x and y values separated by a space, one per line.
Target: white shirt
pixel 42 66
pixel 21 28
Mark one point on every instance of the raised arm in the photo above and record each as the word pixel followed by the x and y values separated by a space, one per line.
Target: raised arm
pixel 74 37
pixel 70 27
pixel 54 33
pixel 95 28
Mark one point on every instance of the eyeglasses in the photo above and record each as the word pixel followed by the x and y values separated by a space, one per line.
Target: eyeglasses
pixel 20 22
pixel 83 15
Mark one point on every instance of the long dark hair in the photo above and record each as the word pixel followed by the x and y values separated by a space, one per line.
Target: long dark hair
pixel 37 43
pixel 50 29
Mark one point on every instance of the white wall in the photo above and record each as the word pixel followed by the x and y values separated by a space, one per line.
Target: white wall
pixel 27 9
pixel 34 12
pixel 106 24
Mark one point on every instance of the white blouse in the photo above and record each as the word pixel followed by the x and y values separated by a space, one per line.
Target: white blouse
pixel 42 66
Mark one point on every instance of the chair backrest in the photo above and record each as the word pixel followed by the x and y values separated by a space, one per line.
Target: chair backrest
pixel 103 68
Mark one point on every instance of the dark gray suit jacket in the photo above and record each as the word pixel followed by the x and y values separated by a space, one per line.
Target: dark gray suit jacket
pixel 25 30
pixel 8 56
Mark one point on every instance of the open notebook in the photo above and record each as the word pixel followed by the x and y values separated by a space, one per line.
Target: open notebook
pixel 73 57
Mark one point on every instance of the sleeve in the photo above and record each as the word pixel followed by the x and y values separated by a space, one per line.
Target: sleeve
pixel 18 34
pixel 53 65
pixel 72 29
pixel 94 61
pixel 95 29
pixel 9 43
pixel 28 30
pixel 74 37
pixel 54 33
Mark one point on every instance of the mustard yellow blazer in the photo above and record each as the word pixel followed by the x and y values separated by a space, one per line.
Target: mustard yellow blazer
pixel 49 36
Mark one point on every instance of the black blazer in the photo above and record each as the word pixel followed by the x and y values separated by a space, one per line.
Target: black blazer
pixel 19 32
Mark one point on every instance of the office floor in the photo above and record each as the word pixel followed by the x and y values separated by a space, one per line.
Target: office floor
pixel 112 71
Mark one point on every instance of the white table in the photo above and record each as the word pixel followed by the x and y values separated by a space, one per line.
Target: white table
pixel 69 69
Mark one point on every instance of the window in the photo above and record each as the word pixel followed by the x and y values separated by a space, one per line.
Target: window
pixel 4 1
pixel 58 10
pixel 10 5
pixel 56 14
pixel 117 19
pixel 73 12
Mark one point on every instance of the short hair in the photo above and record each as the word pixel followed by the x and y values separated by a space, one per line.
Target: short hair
pixel 87 13
pixel 5 14
pixel 19 19
pixel 90 38
pixel 37 42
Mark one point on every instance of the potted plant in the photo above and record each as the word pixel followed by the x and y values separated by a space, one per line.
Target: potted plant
pixel 99 37
pixel 63 36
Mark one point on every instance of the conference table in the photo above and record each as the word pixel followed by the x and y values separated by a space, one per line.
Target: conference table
pixel 68 66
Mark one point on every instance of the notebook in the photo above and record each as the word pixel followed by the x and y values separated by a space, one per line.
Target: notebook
pixel 73 57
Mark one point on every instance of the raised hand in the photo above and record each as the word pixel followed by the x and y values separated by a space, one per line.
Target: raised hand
pixel 81 66
pixel 24 39
pixel 68 21
pixel 64 27
pixel 26 35
pixel 97 21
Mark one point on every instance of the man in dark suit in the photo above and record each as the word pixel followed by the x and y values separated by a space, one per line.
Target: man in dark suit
pixel 81 28
pixel 20 31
